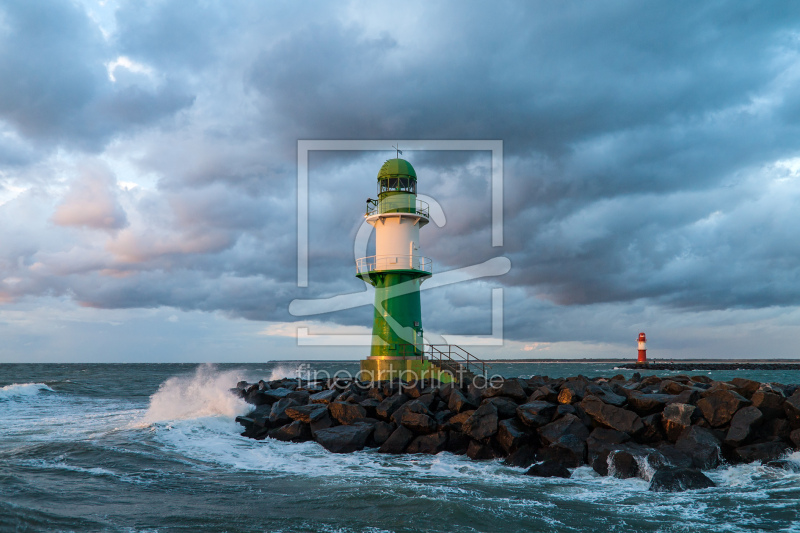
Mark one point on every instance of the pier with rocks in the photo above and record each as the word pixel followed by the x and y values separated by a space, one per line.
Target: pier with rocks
pixel 666 430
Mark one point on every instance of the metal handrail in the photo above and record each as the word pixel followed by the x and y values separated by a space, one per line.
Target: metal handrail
pixel 393 262
pixel 422 208
pixel 445 353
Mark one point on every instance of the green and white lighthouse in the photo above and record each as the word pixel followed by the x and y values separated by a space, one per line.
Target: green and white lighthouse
pixel 396 271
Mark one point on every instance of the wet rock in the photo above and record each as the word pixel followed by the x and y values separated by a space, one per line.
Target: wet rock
pixel 273 395
pixel 300 396
pixel 670 387
pixel 506 408
pixel 622 464
pixel 482 423
pixel 689 396
pixel 763 452
pixel 397 441
pixel 523 457
pixel 297 431
pixel 344 439
pixel 743 423
pixel 414 406
pixel 456 422
pixel 548 468
pixel 565 409
pixel 567 450
pixel 430 444
pixel 720 406
pixel 381 432
pixel 769 403
pixel 645 404
pixel 418 423
pixel 612 417
pixel 536 414
pixel 345 412
pixel 794 436
pixel 391 404
pixel 277 415
pixel 791 406
pixel 652 429
pixel 784 465
pixel 745 387
pixel 321 423
pixel 510 388
pixel 458 402
pixel 673 456
pixel 673 479
pixel 371 406
pixel 701 446
pixel 307 413
pixel 511 434
pixel 544 394
pixel 606 395
pixel 324 397
pixel 457 443
pixel 567 425
pixel 676 418
pixel 479 451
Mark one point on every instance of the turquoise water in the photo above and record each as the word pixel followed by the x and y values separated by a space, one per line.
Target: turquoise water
pixel 154 448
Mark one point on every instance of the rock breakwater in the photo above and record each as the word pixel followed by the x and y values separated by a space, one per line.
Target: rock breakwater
pixel 664 430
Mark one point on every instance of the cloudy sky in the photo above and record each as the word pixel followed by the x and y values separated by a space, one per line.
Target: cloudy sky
pixel 148 173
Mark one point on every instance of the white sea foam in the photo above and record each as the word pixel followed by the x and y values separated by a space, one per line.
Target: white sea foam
pixel 204 394
pixel 22 390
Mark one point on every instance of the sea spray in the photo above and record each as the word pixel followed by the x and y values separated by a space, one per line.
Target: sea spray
pixel 203 394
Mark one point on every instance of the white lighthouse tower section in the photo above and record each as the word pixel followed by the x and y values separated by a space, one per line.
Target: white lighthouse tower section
pixel 397 240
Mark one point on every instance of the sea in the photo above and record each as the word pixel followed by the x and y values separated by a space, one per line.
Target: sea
pixel 155 448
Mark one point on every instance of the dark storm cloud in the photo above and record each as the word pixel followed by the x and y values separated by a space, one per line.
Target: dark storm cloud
pixel 56 87
pixel 641 143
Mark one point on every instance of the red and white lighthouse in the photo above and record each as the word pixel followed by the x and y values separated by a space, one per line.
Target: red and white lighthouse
pixel 642 349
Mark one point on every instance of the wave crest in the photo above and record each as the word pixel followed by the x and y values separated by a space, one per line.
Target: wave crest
pixel 22 390
pixel 204 394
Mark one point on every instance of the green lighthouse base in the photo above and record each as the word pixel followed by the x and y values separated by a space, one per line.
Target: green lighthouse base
pixel 382 368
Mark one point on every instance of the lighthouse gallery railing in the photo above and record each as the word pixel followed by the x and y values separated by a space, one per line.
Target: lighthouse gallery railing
pixel 421 208
pixel 393 262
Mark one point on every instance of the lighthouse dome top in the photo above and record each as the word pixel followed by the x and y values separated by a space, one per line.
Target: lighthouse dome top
pixel 397 168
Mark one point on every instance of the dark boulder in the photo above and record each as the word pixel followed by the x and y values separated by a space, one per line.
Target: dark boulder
pixel 457 443
pixel 674 457
pixel 743 423
pixel 418 423
pixel 673 479
pixel 565 409
pixel 536 414
pixel 769 403
pixel 346 413
pixel 324 397
pixel 794 436
pixel 720 406
pixel 397 441
pixel 430 444
pixel 523 457
pixel 482 423
pixel 297 431
pixel 344 439
pixel 676 418
pixel 511 434
pixel 381 432
pixel 568 450
pixel 622 464
pixel 763 452
pixel 569 424
pixel 510 388
pixel 307 413
pixel 548 468
pixel 391 404
pixel 745 387
pixel 689 396
pixel 653 431
pixel 277 415
pixel 479 451
pixel 544 394
pixel 506 408
pixel 456 422
pixel 611 416
pixel 458 402
pixel 645 404
pixel 791 406
pixel 701 446
pixel 322 423
pixel 273 395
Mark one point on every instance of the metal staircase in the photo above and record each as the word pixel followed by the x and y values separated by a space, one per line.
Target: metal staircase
pixel 449 358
